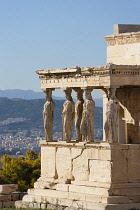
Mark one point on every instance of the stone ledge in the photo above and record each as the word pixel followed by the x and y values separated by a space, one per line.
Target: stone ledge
pixel 98 145
pixel 114 203
pixel 8 188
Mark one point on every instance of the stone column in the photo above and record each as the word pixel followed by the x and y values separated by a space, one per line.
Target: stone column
pixel 112 117
pixel 87 123
pixel 105 101
pixel 78 112
pixel 48 115
pixel 67 116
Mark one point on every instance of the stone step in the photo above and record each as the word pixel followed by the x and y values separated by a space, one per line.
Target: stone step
pixel 123 194
pixel 43 194
pixel 89 190
pixel 92 184
pixel 130 206
pixel 126 185
pixel 7 204
pixel 121 199
pixel 62 202
pixel 71 196
pixel 8 188
pixel 65 195
pixel 77 205
pixel 124 191
pixel 4 197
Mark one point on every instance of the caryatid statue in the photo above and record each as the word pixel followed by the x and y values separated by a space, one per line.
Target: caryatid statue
pixel 112 121
pixel 78 112
pixel 87 123
pixel 48 115
pixel 67 115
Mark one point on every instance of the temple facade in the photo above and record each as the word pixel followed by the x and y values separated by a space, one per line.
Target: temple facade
pixel 81 173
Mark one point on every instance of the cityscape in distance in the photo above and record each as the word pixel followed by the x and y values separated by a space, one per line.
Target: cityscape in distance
pixel 21 122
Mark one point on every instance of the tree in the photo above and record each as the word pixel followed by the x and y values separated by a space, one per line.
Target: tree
pixel 23 171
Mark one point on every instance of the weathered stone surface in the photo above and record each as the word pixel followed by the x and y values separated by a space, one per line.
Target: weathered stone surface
pixel 92 184
pixel 15 196
pixel 5 197
pixel 120 161
pixel 7 204
pixel 95 206
pixel 77 196
pixel 62 187
pixel 63 164
pixel 104 154
pixel 88 190
pixel 53 207
pixel 80 167
pixel 37 205
pixel 75 152
pixel 31 205
pixel 45 192
pixel 0 204
pixel 43 206
pixel 8 188
pixel 18 204
pixel 93 198
pixel 122 199
pixel 28 198
pixel 48 162
pixel 133 164
pixel 124 191
pixel 100 171
pixel 44 185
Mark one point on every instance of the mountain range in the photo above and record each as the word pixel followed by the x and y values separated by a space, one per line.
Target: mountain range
pixel 20 114
pixel 30 95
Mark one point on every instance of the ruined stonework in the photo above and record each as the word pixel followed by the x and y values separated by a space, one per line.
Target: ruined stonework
pixel 8 195
pixel 83 173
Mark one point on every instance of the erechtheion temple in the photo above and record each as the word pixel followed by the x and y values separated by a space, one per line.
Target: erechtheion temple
pixel 83 173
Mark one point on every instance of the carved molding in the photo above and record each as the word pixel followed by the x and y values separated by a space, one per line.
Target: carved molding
pixel 127 38
pixel 95 76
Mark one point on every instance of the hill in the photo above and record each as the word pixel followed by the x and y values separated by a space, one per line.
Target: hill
pixel 21 114
pixel 30 94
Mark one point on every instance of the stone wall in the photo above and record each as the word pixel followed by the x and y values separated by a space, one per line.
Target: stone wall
pixel 124 46
pixel 126 54
pixel 97 162
pixel 8 195
pixel 130 99
pixel 86 176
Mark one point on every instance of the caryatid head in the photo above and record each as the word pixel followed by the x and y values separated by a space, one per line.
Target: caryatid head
pixel 79 94
pixel 88 94
pixel 48 94
pixel 112 93
pixel 68 94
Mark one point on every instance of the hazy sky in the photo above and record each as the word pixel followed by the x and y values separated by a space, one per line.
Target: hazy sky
pixel 38 34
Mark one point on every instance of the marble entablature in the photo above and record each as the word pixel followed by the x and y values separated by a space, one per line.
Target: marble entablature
pixel 96 76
